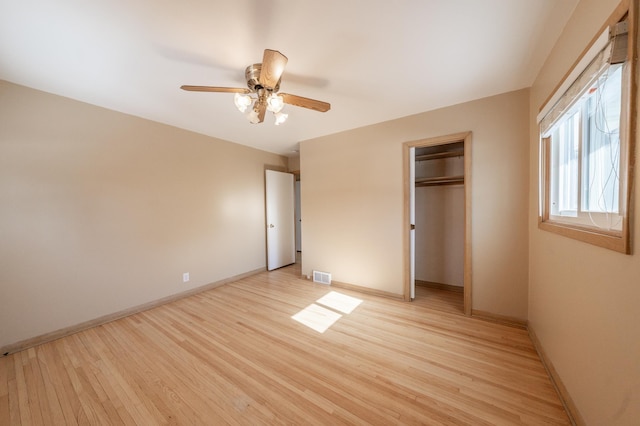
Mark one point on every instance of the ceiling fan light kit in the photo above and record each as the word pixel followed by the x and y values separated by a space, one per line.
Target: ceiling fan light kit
pixel 263 80
pixel 242 101
pixel 275 103
pixel 280 118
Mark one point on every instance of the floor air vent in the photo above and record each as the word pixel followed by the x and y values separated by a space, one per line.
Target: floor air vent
pixel 321 277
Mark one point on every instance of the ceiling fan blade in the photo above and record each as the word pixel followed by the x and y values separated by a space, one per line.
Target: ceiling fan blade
pixel 305 102
pixel 273 63
pixel 262 109
pixel 215 89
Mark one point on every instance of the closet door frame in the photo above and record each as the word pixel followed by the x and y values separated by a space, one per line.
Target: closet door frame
pixel 464 137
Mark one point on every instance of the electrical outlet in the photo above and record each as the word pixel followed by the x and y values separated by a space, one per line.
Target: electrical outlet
pixel 185 277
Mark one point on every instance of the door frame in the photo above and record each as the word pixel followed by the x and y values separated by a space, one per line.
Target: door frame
pixel 464 137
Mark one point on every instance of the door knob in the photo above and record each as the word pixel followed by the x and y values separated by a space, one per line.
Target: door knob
pixel 271 225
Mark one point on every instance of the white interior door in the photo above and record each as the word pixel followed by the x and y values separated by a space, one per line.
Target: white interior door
pixel 412 219
pixel 281 249
pixel 298 219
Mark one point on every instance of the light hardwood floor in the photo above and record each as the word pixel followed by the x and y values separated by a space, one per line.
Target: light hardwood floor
pixel 440 300
pixel 234 355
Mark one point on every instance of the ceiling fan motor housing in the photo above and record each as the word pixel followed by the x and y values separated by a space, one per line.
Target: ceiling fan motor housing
pixel 252 75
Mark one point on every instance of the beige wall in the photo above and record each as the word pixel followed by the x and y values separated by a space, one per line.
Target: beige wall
pixel 352 200
pixel 294 163
pixel 440 234
pixel 584 301
pixel 101 211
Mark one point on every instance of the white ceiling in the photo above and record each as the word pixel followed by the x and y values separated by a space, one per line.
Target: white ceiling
pixel 373 60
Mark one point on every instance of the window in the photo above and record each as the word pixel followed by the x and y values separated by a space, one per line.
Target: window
pixel 586 133
pixel 585 157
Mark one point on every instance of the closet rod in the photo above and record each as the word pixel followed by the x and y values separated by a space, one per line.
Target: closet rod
pixel 442 180
pixel 444 154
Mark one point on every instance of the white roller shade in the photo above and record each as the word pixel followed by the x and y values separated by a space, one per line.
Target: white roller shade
pixel 605 50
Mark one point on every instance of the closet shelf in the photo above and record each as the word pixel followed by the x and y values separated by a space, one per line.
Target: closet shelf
pixel 441 180
pixel 443 154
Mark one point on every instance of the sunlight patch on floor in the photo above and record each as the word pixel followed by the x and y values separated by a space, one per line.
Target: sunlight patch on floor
pixel 340 302
pixel 320 318
pixel 317 318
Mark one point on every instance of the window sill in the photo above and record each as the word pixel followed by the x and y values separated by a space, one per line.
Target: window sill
pixel 613 241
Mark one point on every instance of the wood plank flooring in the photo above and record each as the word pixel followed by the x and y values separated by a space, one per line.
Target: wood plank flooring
pixel 440 300
pixel 235 355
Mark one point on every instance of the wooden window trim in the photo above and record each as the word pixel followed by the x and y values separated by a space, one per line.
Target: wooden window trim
pixel 617 241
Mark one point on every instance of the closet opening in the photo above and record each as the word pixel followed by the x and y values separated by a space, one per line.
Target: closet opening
pixel 438 219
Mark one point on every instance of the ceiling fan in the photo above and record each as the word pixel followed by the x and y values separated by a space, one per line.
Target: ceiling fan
pixel 263 81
